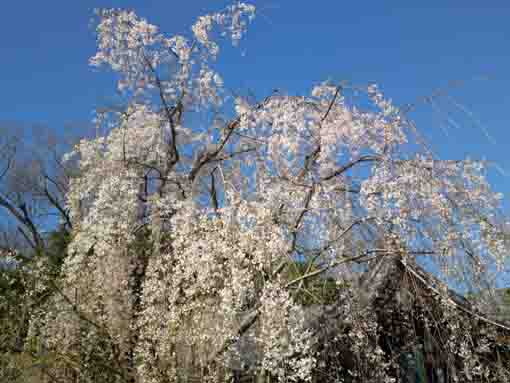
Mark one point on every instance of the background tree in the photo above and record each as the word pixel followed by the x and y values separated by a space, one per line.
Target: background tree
pixel 33 183
pixel 35 231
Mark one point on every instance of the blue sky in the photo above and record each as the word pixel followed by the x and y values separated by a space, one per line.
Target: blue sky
pixel 409 49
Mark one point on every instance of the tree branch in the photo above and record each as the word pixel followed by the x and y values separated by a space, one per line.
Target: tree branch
pixel 348 166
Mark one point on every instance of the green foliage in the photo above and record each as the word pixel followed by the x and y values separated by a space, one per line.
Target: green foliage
pixel 56 249
pixel 319 289
pixel 19 299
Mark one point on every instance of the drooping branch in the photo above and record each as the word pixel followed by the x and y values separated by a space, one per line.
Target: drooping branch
pixel 170 114
pixel 63 212
pixel 209 156
pixel 310 158
pixel 101 329
pixel 343 169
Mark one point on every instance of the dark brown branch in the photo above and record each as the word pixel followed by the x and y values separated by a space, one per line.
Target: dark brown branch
pixel 233 154
pixel 308 199
pixel 309 159
pixel 348 166
pixel 169 112
pixel 59 207
pixel 21 214
pixel 210 156
pixel 31 226
pixel 326 268
pixel 60 188
pixel 8 166
pixel 27 238
pixel 214 194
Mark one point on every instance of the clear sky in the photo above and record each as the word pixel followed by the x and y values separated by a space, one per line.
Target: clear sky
pixel 409 48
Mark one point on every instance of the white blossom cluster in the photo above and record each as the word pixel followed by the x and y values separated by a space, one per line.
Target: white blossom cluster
pixel 220 266
pixel 136 50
